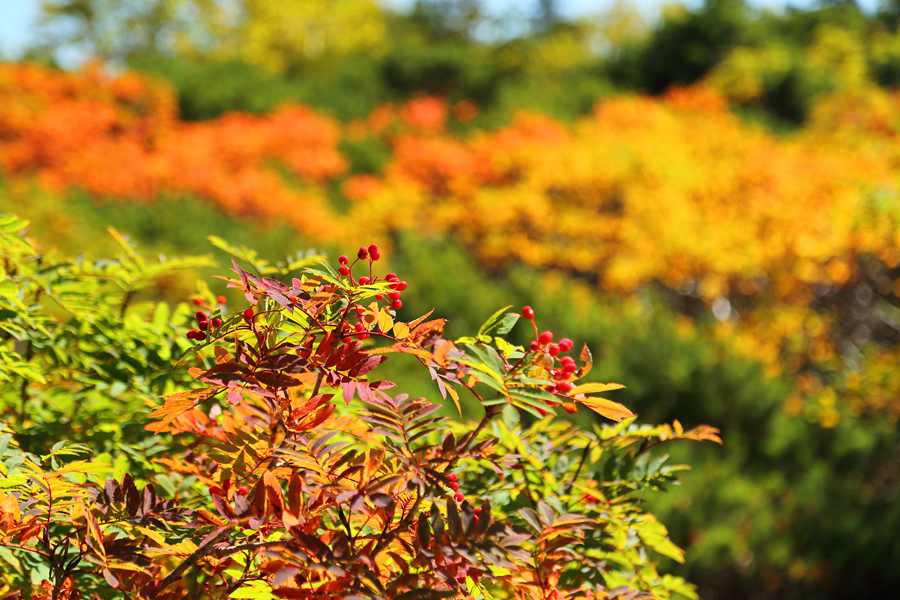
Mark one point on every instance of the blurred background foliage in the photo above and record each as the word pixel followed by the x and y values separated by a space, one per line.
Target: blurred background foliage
pixel 709 201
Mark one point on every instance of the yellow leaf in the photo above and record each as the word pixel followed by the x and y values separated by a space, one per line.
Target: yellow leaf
pixel 595 388
pixel 607 408
pixel 385 321
pixel 401 330
pixel 455 397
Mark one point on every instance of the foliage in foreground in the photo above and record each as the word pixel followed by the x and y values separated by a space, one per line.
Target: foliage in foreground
pixel 260 482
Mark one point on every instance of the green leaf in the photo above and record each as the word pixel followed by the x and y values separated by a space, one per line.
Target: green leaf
pixel 511 416
pixel 493 321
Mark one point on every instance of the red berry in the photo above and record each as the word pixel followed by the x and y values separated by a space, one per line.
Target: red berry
pixel 565 344
pixel 477 510
pixel 217 322
pixel 248 314
pixel 242 490
pixel 454 486
pixel 396 304
pixel 401 286
pixel 192 334
pixel 391 277
pixel 201 316
pixel 342 259
pixel 221 299
pixel 452 476
pixel 363 336
pixel 564 387
pixel 553 349
pixel 347 339
pixel 566 360
pixel 545 338
pixel 360 328
pixel 568 369
pixel 543 412
pixel 215 490
pixel 200 336
pixel 375 255
pixel 344 271
pixel 528 312
pixel 476 518
pixel 203 325
pixel 458 496
pixel 197 301
pixel 379 296
pixel 363 253
pixel 534 346
pixel 363 280
pixel 394 295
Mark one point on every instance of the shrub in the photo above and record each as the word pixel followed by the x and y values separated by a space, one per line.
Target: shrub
pixel 280 468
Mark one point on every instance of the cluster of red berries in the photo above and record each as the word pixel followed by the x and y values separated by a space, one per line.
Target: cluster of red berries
pixel 458 496
pixel 372 254
pixel 203 324
pixel 544 343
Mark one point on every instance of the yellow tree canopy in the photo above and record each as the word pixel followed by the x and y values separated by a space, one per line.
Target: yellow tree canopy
pixel 276 34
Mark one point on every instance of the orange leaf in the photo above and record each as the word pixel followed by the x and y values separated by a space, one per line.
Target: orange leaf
pixel 607 408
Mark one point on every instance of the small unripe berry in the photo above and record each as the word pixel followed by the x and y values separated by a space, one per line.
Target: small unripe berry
pixel 363 280
pixel 217 322
pixel 203 325
pixel 363 253
pixel 197 301
pixel 565 344
pixel 342 259
pixel 201 316
pixel 458 496
pixel 344 270
pixel 528 312
pixel 396 304
pixel 452 476
pixel 545 338
pixel 221 299
pixel 553 349
pixel 242 490
pixel 564 387
pixel 454 486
